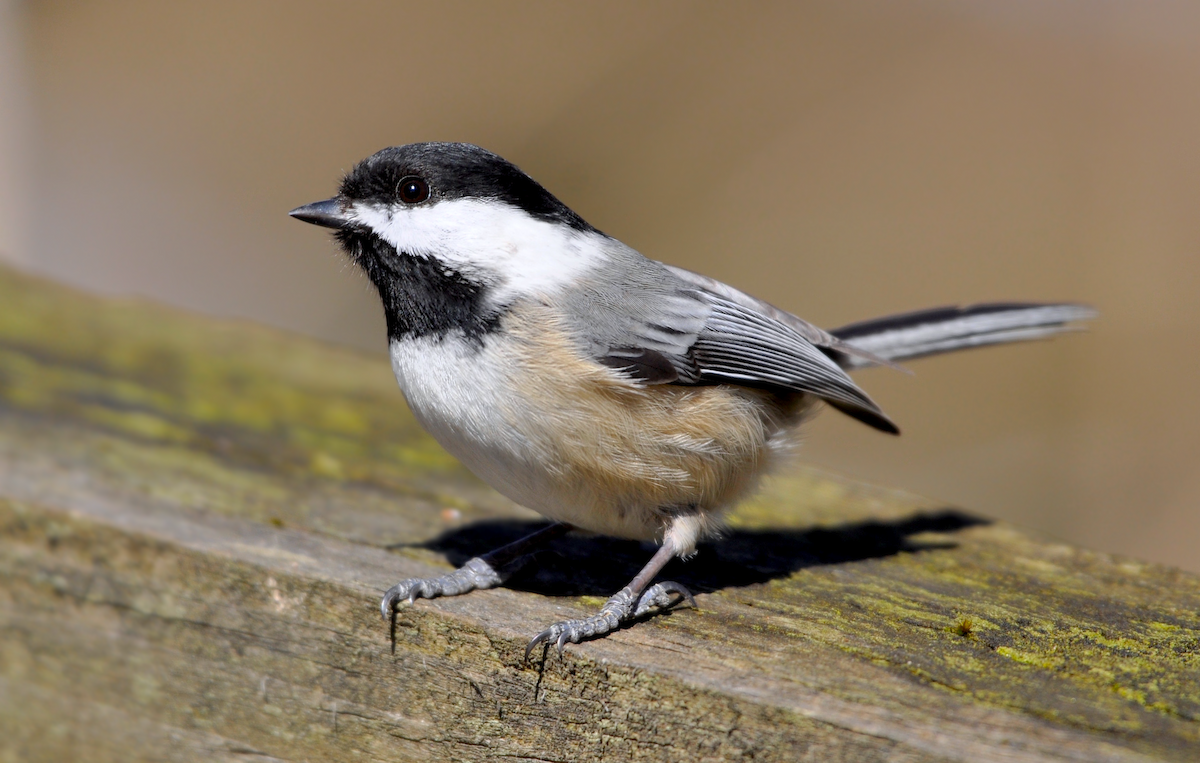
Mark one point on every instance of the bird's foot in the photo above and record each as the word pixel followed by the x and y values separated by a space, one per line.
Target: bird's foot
pixel 475 574
pixel 663 595
pixel 624 606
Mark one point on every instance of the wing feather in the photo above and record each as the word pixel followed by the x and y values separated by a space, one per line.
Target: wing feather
pixel 742 346
pixel 704 332
pixel 833 345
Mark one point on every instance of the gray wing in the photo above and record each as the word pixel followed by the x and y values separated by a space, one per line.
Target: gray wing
pixel 675 330
pixel 846 355
pixel 743 346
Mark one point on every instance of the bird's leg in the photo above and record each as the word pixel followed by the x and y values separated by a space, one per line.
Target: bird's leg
pixel 485 571
pixel 632 601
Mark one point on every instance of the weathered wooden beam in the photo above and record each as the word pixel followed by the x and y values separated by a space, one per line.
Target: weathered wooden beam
pixel 197 519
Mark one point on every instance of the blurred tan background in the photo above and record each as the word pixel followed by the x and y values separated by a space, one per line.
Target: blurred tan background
pixel 842 160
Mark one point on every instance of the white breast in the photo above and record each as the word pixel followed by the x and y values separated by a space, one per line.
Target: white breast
pixel 458 393
pixel 476 404
pixel 465 397
pixel 578 442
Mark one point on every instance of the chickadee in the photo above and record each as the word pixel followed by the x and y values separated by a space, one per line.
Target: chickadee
pixel 606 391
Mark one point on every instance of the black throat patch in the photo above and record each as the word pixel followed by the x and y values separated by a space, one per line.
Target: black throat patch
pixel 421 296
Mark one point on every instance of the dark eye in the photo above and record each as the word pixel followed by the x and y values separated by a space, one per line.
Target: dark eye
pixel 413 190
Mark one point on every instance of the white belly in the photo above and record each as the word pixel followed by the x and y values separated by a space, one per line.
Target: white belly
pixel 579 443
pixel 460 395
pixel 465 398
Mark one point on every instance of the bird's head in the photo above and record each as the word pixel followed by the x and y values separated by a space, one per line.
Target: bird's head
pixel 458 209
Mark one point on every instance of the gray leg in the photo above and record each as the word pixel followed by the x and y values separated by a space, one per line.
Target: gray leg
pixel 487 571
pixel 628 603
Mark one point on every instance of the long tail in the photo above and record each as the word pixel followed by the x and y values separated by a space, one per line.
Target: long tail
pixel 945 329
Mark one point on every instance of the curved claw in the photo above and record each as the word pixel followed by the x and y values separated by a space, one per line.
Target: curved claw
pixel 411 589
pixel 614 612
pixel 663 595
pixel 560 634
pixel 686 595
pixel 393 597
pixel 544 636
pixel 618 610
pixel 475 574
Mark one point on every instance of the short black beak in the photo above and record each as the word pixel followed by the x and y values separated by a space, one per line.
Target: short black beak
pixel 327 213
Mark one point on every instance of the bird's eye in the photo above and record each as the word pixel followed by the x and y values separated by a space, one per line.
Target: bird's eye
pixel 413 190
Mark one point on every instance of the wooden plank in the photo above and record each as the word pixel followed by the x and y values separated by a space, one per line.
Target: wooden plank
pixel 198 519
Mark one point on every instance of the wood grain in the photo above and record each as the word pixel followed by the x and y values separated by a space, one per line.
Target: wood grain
pixel 197 519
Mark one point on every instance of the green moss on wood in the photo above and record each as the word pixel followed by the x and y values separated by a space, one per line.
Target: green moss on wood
pixel 241 391
pixel 823 591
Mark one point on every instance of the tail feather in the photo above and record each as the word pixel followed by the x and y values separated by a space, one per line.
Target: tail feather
pixel 945 329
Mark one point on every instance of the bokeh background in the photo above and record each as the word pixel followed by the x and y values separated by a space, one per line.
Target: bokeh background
pixel 842 160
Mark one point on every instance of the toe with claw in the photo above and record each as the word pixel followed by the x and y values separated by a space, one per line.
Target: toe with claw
pixel 663 596
pixel 475 574
pixel 621 608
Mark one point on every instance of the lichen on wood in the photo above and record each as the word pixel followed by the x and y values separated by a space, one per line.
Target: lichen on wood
pixel 197 518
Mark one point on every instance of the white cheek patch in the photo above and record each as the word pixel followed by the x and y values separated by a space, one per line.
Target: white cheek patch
pixel 519 254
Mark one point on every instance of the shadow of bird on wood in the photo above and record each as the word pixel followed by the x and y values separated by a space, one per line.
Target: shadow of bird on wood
pixel 588 565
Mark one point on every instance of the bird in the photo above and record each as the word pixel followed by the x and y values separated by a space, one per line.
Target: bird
pixel 609 392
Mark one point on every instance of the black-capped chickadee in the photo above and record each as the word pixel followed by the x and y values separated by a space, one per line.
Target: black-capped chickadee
pixel 607 391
